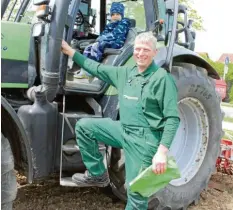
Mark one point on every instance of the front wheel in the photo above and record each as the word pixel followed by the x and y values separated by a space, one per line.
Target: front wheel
pixel 195 147
pixel 8 178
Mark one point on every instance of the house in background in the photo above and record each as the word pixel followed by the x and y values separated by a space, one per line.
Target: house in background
pixel 229 84
pixel 223 57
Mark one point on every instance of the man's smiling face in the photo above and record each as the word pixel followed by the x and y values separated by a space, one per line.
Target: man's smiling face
pixel 143 54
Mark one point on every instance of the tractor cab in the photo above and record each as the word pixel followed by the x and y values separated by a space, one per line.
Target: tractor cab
pixel 80 22
pixel 90 20
pixel 85 21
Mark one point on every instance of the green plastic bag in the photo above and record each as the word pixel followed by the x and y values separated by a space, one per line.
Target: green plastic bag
pixel 147 182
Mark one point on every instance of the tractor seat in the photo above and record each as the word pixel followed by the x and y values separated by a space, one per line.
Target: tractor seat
pixel 111 57
pixel 82 44
pixel 129 39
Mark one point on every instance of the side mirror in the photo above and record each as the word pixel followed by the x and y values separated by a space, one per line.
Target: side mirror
pixel 182 9
pixel 193 33
pixel 190 23
pixel 40 2
pixel 38 29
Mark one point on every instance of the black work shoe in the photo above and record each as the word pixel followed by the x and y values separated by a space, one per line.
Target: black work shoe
pixel 87 180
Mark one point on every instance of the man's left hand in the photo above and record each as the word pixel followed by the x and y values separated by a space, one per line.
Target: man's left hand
pixel 159 163
pixel 66 49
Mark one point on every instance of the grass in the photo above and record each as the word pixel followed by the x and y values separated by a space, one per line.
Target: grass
pixel 227 104
pixel 229 136
pixel 228 119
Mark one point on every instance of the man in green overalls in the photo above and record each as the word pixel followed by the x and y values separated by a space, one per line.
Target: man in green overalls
pixel 148 118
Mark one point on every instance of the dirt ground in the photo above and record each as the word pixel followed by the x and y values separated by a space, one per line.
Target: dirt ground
pixel 48 195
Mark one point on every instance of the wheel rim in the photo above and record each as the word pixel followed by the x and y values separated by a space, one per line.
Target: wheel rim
pixel 191 141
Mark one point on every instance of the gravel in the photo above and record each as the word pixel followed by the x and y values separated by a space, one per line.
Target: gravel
pixel 48 195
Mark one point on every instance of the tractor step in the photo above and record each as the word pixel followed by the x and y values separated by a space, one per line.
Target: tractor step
pixel 67 181
pixel 70 148
pixel 75 148
pixel 70 157
pixel 79 115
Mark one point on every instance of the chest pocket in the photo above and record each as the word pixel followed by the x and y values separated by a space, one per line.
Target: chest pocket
pixel 131 103
pixel 130 107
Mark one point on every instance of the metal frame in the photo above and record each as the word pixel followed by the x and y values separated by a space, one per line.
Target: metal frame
pixel 4 5
pixel 173 7
pixel 102 14
pixel 150 13
pixel 11 10
pixel 21 10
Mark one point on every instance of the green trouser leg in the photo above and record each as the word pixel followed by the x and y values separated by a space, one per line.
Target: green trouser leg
pixel 89 132
pixel 138 154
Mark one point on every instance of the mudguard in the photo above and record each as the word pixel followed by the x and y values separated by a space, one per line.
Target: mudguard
pixel 18 139
pixel 181 54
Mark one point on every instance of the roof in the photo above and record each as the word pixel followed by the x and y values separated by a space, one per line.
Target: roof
pixel 223 57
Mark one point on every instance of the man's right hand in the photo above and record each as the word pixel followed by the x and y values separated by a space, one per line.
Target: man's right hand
pixel 66 49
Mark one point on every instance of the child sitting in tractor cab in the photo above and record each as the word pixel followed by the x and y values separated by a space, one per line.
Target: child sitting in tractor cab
pixel 113 36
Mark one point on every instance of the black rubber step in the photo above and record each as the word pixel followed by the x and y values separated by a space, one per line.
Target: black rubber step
pixel 75 148
pixel 70 148
pixel 79 115
pixel 67 181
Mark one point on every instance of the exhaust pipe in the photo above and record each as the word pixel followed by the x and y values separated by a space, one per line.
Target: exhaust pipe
pixel 49 87
pixel 51 51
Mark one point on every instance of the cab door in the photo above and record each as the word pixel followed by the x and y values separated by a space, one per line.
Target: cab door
pixel 15 39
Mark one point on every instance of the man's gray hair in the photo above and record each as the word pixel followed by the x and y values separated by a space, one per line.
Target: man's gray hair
pixel 147 37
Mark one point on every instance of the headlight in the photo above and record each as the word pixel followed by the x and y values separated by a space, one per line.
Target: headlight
pixel 38 29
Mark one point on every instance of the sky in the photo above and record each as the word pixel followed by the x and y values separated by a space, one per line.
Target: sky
pixel 218 23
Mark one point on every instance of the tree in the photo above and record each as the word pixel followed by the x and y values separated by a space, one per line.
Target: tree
pixel 219 67
pixel 135 10
pixel 13 8
pixel 231 95
pixel 12 5
pixel 193 14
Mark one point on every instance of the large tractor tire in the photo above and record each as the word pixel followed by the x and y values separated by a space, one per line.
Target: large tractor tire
pixel 8 178
pixel 195 147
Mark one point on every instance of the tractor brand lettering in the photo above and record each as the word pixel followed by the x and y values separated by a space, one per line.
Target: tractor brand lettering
pixel 131 97
pixel 200 89
pixel 4 48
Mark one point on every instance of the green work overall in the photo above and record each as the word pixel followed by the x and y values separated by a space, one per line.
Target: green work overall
pixel 133 133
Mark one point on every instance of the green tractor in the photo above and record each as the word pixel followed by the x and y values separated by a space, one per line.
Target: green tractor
pixel 42 100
